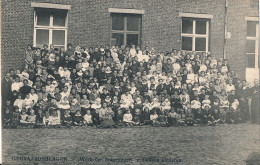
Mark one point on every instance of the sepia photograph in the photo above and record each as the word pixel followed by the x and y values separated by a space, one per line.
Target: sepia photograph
pixel 130 82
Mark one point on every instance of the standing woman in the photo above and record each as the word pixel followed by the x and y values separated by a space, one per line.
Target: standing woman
pixel 255 103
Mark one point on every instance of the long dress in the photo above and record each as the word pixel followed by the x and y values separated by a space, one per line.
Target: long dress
pixel 108 120
pixel 255 106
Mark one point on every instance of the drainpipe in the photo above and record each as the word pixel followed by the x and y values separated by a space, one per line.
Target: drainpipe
pixel 225 29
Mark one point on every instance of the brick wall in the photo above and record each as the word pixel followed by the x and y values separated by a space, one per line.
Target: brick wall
pixel 237 25
pixel 89 24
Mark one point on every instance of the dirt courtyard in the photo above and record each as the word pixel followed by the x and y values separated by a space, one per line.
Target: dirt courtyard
pixel 223 144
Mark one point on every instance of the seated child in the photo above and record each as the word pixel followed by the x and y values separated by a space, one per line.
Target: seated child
pixel 206 114
pixel 78 120
pixel 198 117
pixel 15 121
pixel 39 118
pixel 222 116
pixel 155 103
pixel 137 117
pixel 119 117
pixel 115 104
pixel 161 121
pixel 96 104
pixel 108 100
pixel 195 105
pixel 172 120
pixel 19 102
pixel 206 101
pixel 87 119
pixel 224 103
pixel 64 104
pixel 54 119
pixel 46 119
pixel 31 119
pixel 84 104
pixel 23 117
pixel 215 116
pixel 107 121
pixel 7 118
pixel 166 105
pixel 138 104
pixel 127 118
pixel 146 116
pixel 180 117
pixel 153 116
pixel 189 118
pixel 237 112
pixel 146 104
pixel 75 106
pixel 67 119
pixel 27 103
pixel 230 116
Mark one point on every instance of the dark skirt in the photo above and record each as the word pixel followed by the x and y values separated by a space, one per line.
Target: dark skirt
pixel 107 123
pixel 255 109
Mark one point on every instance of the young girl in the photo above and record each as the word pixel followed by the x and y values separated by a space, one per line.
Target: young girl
pixel 27 103
pixel 75 106
pixel 215 117
pixel 64 104
pixel 23 118
pixel 29 55
pixel 153 116
pixel 84 104
pixel 172 120
pixel 206 101
pixel 207 118
pixel 33 96
pixel 31 119
pixel 127 118
pixel 189 118
pixel 166 105
pixel 7 118
pixel 119 117
pixel 137 117
pixel 39 118
pixel 180 117
pixel 54 119
pixel 195 105
pixel 224 103
pixel 161 121
pixel 19 102
pixel 87 119
pixel 108 119
pixel 85 65
pixel 155 104
pixel 67 119
pixel 15 118
pixel 78 120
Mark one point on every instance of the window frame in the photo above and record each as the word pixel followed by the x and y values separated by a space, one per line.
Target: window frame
pixel 256 39
pixel 125 31
pixel 193 35
pixel 51 27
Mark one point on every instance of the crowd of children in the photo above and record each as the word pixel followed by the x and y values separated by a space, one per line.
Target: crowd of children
pixel 122 86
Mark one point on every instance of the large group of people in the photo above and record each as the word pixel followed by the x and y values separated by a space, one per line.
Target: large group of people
pixel 123 86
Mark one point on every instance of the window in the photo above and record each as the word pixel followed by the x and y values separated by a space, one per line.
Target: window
pixel 125 29
pixel 252 44
pixel 50 27
pixel 195 34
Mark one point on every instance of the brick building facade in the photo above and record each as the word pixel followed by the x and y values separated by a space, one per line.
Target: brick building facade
pixel 88 23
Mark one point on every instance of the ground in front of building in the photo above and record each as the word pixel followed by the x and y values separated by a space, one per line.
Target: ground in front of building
pixel 223 144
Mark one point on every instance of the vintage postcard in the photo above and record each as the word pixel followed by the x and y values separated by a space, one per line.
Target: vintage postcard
pixel 130 82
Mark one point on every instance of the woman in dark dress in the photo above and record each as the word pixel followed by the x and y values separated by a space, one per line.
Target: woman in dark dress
pixel 255 104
